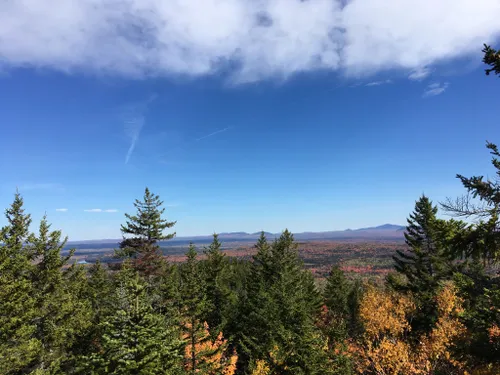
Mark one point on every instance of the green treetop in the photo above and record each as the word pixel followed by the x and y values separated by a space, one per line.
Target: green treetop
pixel 482 204
pixel 18 346
pixel 143 231
pixel 135 339
pixel 491 58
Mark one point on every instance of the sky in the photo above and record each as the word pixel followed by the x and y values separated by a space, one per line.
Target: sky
pixel 242 115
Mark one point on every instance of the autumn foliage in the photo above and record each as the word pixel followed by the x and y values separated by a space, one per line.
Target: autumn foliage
pixel 385 347
pixel 209 357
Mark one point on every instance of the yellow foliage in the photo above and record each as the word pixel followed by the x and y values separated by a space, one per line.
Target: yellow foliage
pixel 384 313
pixel 210 357
pixel 383 349
pixel 261 368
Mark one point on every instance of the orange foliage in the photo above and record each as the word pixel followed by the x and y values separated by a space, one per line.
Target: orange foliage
pixel 210 356
pixel 384 348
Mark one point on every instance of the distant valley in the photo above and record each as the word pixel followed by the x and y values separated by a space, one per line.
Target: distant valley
pixel 386 232
pixel 362 251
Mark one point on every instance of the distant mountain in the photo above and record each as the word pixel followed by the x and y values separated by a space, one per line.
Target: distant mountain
pixel 265 234
pixel 381 232
pixel 384 227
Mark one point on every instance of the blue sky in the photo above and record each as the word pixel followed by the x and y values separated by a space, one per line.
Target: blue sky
pixel 307 136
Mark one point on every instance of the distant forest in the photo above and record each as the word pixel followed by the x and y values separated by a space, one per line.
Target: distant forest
pixel 436 312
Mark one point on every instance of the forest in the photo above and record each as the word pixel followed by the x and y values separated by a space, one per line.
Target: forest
pixel 436 312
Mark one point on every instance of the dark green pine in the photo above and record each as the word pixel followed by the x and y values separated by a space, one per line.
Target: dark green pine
pixel 143 232
pixel 18 345
pixel 135 339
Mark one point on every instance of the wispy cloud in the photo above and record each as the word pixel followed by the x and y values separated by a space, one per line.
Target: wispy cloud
pixel 419 74
pixel 260 39
pixel 134 120
pixel 101 210
pixel 61 209
pixel 214 133
pixel 378 83
pixel 435 89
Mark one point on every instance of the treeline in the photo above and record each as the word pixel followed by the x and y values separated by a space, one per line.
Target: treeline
pixel 437 313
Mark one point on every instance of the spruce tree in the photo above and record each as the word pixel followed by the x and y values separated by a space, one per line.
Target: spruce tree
pixel 422 262
pixel 100 295
pixel 281 311
pixel 62 313
pixel 145 230
pixel 215 269
pixel 336 296
pixel 199 351
pixel 18 344
pixel 135 339
pixel 481 204
pixel 426 262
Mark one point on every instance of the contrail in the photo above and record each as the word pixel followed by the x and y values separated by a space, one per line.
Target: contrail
pixel 135 122
pixel 133 129
pixel 214 133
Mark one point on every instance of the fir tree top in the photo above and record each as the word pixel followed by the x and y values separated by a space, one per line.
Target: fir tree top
pixel 148 223
pixel 17 230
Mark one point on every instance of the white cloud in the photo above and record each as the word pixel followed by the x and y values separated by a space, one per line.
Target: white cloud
pixel 419 74
pixel 101 210
pixel 435 89
pixel 378 83
pixel 253 39
pixel 61 209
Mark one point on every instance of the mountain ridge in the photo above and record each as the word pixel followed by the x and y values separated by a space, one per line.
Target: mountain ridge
pixel 384 231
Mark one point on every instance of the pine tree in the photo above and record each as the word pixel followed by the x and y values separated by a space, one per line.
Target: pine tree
pixel 426 263
pixel 336 296
pixel 146 230
pixel 194 307
pixel 135 340
pixel 215 269
pixel 280 313
pixel 100 295
pixel 491 58
pixel 18 346
pixel 62 313
pixel 482 205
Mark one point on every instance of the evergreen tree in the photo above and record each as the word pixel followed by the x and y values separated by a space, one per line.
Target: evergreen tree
pixel 491 58
pixel 100 295
pixel 426 262
pixel 215 269
pixel 281 311
pixel 18 346
pixel 194 309
pixel 135 340
pixel 422 263
pixel 336 296
pixel 482 204
pixel 145 229
pixel 62 313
